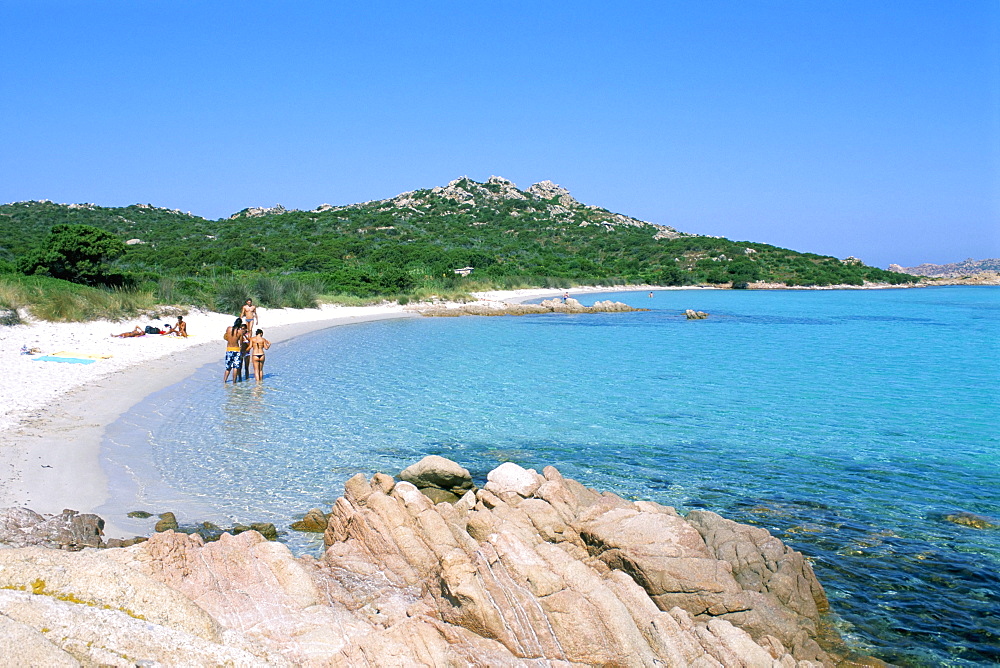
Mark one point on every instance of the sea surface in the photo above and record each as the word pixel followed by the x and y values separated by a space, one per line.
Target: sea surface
pixel 850 424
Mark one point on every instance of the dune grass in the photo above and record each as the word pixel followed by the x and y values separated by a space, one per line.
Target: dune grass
pixel 56 300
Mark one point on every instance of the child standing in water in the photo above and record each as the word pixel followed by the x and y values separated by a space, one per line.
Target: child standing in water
pixel 258 344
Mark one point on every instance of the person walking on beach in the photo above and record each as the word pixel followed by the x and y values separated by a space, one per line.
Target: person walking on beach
pixel 232 339
pixel 249 315
pixel 258 344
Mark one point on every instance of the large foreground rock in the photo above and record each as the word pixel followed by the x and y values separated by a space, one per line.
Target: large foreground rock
pixel 555 572
pixel 537 571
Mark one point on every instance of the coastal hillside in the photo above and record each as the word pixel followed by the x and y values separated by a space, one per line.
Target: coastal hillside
pixel 496 234
pixel 968 267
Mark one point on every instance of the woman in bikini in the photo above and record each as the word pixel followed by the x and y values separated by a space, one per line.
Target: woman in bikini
pixel 258 344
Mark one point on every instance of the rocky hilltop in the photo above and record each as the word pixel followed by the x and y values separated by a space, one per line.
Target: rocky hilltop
pixel 544 198
pixel 530 570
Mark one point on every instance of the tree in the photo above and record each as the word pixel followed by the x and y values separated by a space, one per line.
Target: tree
pixel 77 253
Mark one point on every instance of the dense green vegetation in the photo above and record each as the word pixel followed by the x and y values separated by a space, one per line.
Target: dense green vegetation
pixel 409 245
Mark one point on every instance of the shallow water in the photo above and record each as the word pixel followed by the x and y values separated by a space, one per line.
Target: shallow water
pixel 848 423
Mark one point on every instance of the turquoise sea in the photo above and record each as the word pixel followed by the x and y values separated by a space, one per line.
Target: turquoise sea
pixel 848 423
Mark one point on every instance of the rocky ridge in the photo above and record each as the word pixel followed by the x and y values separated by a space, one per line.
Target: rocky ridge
pixel 968 267
pixel 531 570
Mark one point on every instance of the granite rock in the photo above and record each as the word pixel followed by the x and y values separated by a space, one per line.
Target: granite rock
pixel 69 530
pixel 532 570
pixel 438 472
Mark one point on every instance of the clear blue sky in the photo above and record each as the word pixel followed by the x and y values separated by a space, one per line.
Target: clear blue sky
pixel 837 127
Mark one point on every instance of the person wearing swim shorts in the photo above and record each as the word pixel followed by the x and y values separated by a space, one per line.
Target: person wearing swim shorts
pixel 258 344
pixel 232 339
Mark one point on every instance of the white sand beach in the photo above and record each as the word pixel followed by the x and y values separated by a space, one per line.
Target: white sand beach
pixel 53 414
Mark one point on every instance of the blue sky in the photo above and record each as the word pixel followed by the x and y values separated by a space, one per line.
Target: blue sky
pixel 836 127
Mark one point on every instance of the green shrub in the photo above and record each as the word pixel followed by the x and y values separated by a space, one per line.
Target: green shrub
pixel 230 295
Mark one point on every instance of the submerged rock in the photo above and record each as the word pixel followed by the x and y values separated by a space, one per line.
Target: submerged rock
pixel 695 315
pixel 973 520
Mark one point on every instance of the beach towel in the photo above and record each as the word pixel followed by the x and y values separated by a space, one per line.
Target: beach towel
pixel 68 360
pixel 80 356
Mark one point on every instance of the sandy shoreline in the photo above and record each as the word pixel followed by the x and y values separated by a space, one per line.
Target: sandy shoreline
pixel 53 416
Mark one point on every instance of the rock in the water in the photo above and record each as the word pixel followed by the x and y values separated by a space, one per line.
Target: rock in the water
pixel 695 315
pixel 265 529
pixel 168 522
pixel 20 527
pixel 139 514
pixel 314 522
pixel 436 471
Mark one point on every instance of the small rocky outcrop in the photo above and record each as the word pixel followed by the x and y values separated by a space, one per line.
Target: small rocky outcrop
pixel 438 473
pixel 168 522
pixel 695 315
pixel 314 521
pixel 547 306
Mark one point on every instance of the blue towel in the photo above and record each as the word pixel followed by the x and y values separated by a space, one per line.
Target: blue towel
pixel 69 360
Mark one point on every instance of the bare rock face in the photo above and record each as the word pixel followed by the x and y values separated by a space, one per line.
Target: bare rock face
pixel 533 570
pixel 557 573
pixel 20 527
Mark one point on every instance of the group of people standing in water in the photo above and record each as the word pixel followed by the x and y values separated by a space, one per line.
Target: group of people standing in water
pixel 244 348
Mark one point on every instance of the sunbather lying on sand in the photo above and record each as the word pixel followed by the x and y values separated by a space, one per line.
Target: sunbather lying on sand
pixel 127 335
